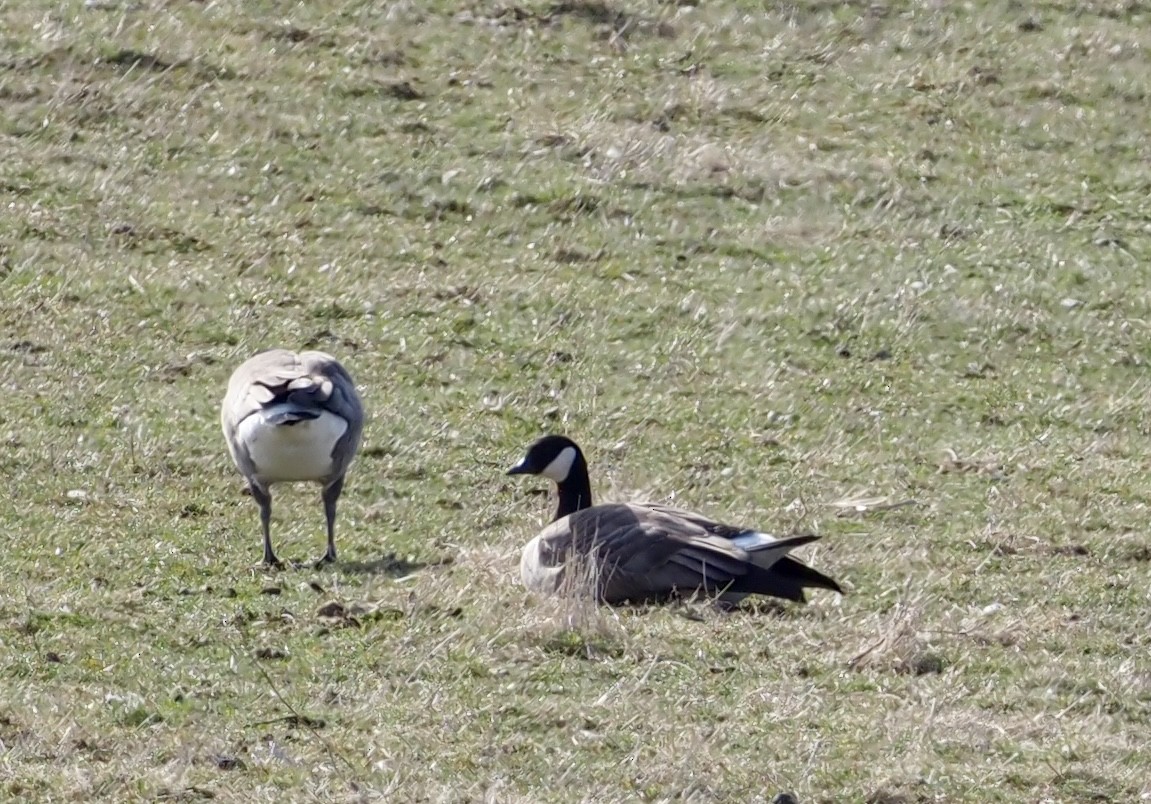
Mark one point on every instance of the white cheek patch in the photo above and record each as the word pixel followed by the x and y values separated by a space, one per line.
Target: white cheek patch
pixel 561 464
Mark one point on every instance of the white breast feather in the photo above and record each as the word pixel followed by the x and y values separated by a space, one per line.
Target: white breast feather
pixel 535 576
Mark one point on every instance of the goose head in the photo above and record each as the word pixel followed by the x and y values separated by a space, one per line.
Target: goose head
pixel 553 457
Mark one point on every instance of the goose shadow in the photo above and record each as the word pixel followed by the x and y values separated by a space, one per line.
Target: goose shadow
pixel 390 565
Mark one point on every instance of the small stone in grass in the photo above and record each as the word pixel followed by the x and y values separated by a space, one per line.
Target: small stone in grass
pixel 927 663
pixel 228 763
pixel 333 609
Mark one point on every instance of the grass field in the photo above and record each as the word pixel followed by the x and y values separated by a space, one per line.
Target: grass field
pixel 877 270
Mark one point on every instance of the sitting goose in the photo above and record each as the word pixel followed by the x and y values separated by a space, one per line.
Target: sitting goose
pixel 644 551
pixel 289 417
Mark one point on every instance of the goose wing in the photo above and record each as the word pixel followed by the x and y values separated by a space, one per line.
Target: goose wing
pixel 328 385
pixel 644 553
pixel 704 523
pixel 786 576
pixel 308 380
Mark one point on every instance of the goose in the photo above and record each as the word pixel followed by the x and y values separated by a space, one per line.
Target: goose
pixel 288 417
pixel 642 552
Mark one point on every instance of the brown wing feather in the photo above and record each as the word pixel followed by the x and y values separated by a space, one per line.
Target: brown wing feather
pixel 645 552
pixel 700 521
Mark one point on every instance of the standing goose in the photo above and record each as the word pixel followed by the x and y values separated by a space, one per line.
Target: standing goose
pixel 645 551
pixel 290 417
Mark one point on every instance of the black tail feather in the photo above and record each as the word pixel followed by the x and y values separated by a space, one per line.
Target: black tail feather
pixel 786 579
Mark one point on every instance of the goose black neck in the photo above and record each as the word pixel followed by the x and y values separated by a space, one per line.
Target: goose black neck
pixel 575 491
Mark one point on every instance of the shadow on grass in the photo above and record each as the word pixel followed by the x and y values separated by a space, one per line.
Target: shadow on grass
pixel 390 564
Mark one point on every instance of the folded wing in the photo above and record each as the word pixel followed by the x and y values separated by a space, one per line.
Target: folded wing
pixel 643 552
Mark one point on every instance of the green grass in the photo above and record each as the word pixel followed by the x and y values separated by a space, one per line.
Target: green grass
pixel 767 260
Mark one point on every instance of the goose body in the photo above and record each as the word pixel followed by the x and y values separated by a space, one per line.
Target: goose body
pixel 290 417
pixel 645 551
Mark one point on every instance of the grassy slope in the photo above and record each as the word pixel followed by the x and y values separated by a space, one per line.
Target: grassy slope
pixel 763 261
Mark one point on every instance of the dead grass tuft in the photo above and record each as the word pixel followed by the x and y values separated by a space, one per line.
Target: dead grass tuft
pixel 900 645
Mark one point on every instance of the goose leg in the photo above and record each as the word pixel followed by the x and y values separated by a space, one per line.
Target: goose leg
pixel 263 498
pixel 330 495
